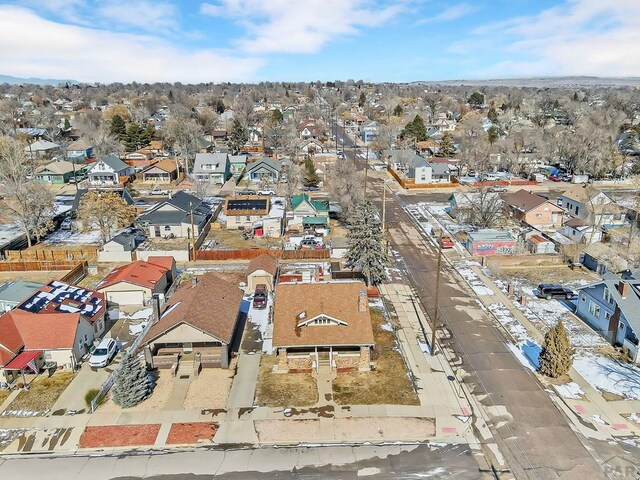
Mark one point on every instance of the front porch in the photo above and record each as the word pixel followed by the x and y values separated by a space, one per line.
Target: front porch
pixel 187 356
pixel 338 358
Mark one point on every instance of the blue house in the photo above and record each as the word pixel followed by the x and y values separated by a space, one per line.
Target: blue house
pixel 611 308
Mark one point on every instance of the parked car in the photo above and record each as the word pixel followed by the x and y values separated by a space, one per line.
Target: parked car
pixel 549 291
pixel 77 179
pixel 266 192
pixel 246 192
pixel 555 178
pixel 310 244
pixel 260 296
pixel 158 191
pixel 104 353
pixel 310 189
pixel 446 242
pixel 141 203
pixel 498 188
pixel 67 224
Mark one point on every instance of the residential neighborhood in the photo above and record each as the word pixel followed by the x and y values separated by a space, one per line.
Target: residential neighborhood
pixel 211 269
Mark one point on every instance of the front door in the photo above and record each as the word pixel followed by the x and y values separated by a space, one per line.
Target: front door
pixel 156 231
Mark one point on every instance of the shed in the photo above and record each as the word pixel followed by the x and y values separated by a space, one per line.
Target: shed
pixel 262 270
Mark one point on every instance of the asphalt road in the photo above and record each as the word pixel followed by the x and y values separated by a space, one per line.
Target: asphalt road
pixel 313 463
pixel 532 433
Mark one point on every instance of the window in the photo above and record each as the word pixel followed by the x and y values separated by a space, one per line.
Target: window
pixel 607 316
pixel 583 297
pixel 248 218
pixel 594 309
pixel 607 296
pixel 167 228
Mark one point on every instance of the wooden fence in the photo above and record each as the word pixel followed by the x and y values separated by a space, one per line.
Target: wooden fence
pixel 76 274
pixel 70 255
pixel 250 254
pixel 36 265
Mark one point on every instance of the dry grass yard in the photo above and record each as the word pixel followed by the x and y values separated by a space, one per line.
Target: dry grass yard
pixel 284 389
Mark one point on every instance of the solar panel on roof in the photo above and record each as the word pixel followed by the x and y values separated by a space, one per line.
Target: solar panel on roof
pixel 249 204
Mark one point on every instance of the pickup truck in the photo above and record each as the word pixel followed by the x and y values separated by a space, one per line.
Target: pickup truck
pixel 158 191
pixel 260 297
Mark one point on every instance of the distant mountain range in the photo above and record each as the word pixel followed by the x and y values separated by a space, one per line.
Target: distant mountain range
pixel 545 82
pixel 34 81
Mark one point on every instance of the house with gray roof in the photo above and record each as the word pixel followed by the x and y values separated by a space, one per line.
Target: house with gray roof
pixel 212 167
pixel 237 164
pixel 14 293
pixel 107 171
pixel 264 169
pixel 172 217
pixel 611 308
pixel 416 168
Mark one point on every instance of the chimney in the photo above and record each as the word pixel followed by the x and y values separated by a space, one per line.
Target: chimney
pixel 194 281
pixel 155 304
pixel 363 305
pixel 623 288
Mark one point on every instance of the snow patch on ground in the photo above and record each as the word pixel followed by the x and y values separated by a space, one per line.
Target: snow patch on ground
pixel 137 329
pixel 143 314
pixel 608 375
pixel 260 318
pixel 474 282
pixel 387 327
pixel 570 390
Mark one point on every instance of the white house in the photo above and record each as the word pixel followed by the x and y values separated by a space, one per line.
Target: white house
pixel 108 170
pixel 212 167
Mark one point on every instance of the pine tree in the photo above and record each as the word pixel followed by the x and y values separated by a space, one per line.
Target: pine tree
pixel 447 148
pixel 398 111
pixel 415 129
pixel 476 99
pixel 492 115
pixel 238 136
pixel 494 134
pixel 366 249
pixel 118 127
pixel 557 355
pixel 362 99
pixel 310 177
pixel 130 382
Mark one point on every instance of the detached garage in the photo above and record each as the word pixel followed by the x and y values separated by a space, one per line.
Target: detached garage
pixel 137 282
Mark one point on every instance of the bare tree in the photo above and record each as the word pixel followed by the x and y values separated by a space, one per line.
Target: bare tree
pixel 480 208
pixel 105 211
pixel 29 204
pixel 201 185
pixel 346 186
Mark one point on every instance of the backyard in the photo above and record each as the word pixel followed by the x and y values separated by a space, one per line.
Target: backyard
pixel 386 385
pixel 279 389
pixel 41 396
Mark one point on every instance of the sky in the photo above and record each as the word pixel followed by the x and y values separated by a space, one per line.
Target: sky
pixel 193 41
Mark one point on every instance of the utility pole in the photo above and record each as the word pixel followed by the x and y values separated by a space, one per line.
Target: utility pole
pixel 384 217
pixel 193 232
pixel 437 297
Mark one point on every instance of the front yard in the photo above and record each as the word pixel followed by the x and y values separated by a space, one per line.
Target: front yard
pixel 284 389
pixel 388 384
pixel 41 396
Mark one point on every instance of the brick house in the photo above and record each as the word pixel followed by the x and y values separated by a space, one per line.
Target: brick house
pixel 319 325
pixel 534 210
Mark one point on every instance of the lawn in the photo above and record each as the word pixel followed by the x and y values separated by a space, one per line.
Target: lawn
pixel 3 395
pixel 42 394
pixel 284 389
pixel 388 384
pixel 232 239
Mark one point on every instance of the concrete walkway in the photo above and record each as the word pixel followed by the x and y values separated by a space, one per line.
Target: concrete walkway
pixel 243 389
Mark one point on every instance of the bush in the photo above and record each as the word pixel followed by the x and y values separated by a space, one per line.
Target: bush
pixel 90 395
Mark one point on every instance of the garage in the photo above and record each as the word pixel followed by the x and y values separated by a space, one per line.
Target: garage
pixel 126 297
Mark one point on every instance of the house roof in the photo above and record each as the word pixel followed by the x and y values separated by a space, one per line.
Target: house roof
pixel 338 300
pixel 141 273
pixel 123 239
pixel 166 165
pixel 439 168
pixel 211 306
pixel 114 162
pixel 490 234
pixel 45 331
pixel 219 159
pixel 264 162
pixel 575 222
pixel 526 201
pixel 318 205
pixel 264 262
pixel 247 205
pixel 79 144
pixel 238 159
pixel 606 255
pixel 182 203
pixel 60 298
pixel 18 290
pixel 10 339
pixel 59 168
pixel 580 194
pixel 165 261
pixel 41 145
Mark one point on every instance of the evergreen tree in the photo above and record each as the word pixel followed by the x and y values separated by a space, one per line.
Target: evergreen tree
pixel 415 129
pixel 136 137
pixel 220 107
pixel 310 177
pixel 362 99
pixel 130 382
pixel 494 134
pixel 238 136
pixel 447 148
pixel 366 249
pixel 476 99
pixel 398 111
pixel 67 125
pixel 118 127
pixel 557 355
pixel 276 116
pixel 492 115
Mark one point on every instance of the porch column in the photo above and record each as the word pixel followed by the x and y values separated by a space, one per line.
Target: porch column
pixel 317 359
pixel 224 356
pixel 283 364
pixel 364 364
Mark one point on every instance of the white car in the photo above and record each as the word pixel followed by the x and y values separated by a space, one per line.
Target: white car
pixel 266 192
pixel 158 191
pixel 104 353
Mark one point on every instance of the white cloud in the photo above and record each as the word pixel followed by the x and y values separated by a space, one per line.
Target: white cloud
pixel 143 14
pixel 579 37
pixel 295 26
pixel 56 50
pixel 449 14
